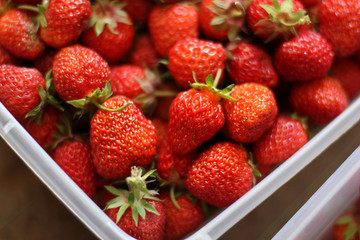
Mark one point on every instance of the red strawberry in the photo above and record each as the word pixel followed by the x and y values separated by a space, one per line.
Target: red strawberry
pixel 18 35
pixel 135 83
pixel 310 3
pixel 321 100
pixel 253 113
pixel 221 20
pixel 143 53
pixel 125 209
pixel 43 131
pixel 347 226
pixel 19 90
pixel 74 157
pixel 304 58
pixel 138 10
pixel 270 19
pixel 121 139
pixel 348 73
pixel 161 128
pixel 339 23
pixel 196 115
pixel 33 2
pixel 171 166
pixel 191 55
pixel 221 182
pixel 172 23
pixel 111 32
pixel 6 57
pixel 45 62
pixel 280 142
pixel 250 63
pixel 163 104
pixel 183 220
pixel 78 71
pixel 65 21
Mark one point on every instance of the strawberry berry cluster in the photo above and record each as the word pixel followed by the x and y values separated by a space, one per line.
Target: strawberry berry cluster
pixel 191 99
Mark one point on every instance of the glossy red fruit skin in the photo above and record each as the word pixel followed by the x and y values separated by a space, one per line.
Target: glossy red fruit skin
pixel 18 35
pixel 168 161
pixel 310 3
pixel 221 182
pixel 111 46
pixel 255 13
pixel 150 228
pixel 304 58
pixel 66 20
pixel 44 133
pixel 138 10
pixel 123 80
pixel 19 90
pixel 199 56
pixel 339 23
pixel 143 53
pixel 348 73
pixel 321 100
pixel 194 117
pixel 180 222
pixel 172 23
pixel 6 57
pixel 78 71
pixel 161 129
pixel 250 63
pixel 281 141
pixel 74 157
pixel 253 113
pixel 121 139
pixel 205 17
pixel 45 62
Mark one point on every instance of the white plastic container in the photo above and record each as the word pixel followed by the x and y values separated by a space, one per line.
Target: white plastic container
pixel 316 217
pixel 94 218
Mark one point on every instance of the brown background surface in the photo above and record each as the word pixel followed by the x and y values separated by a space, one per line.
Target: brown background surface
pixel 28 210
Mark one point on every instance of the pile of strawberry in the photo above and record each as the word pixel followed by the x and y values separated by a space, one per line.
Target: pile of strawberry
pixel 161 108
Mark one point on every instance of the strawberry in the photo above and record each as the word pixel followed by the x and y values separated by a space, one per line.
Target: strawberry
pixel 74 157
pixel 280 142
pixel 65 21
pixel 161 128
pixel 222 20
pixel 273 19
pixel 250 63
pixel 33 2
pixel 45 62
pixel 196 115
pixel 44 130
pixel 135 83
pixel 126 207
pixel 253 113
pixel 348 73
pixel 6 57
pixel 304 58
pixel 171 166
pixel 310 3
pixel 221 182
pixel 138 10
pixel 321 100
pixel 191 55
pixel 121 139
pixel 183 220
pixel 347 226
pixel 163 105
pixel 110 31
pixel 78 71
pixel 19 90
pixel 18 35
pixel 169 24
pixel 143 53
pixel 339 23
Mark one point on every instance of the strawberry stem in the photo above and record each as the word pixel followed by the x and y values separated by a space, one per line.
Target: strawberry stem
pixel 110 109
pixel 172 196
